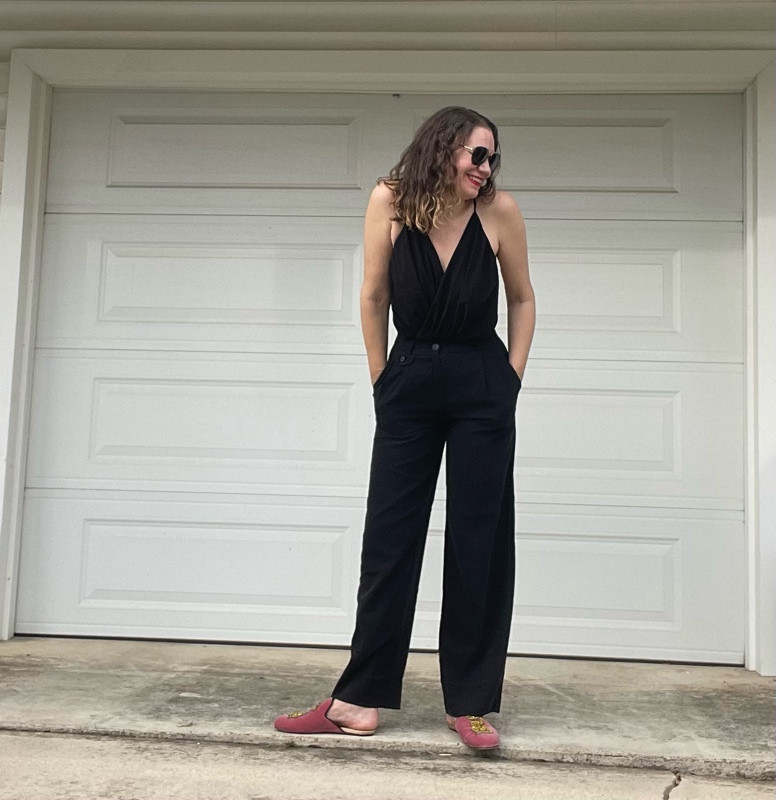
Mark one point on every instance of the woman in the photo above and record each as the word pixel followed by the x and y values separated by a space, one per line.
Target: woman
pixel 432 231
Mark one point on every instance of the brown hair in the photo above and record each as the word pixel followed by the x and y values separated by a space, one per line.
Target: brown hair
pixel 424 177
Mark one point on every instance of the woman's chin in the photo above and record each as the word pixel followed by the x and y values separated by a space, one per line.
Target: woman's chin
pixel 468 192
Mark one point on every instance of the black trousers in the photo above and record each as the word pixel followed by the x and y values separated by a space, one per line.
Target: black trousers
pixel 431 395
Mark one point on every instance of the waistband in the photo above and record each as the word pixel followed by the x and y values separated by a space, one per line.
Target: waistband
pixel 407 345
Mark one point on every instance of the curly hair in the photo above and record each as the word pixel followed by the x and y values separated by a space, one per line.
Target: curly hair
pixel 423 180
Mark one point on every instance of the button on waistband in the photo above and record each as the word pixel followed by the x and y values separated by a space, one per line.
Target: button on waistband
pixel 435 346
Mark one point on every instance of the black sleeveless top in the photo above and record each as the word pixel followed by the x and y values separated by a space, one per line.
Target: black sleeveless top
pixel 457 304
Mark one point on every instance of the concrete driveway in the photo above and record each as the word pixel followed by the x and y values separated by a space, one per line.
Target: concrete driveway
pixel 136 719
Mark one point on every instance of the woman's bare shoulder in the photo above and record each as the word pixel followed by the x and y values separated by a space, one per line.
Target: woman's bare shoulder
pixel 382 194
pixel 504 205
pixel 381 206
pixel 499 215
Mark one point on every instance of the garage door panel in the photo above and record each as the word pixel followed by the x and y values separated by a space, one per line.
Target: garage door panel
pixel 617 583
pixel 644 432
pixel 607 290
pixel 203 570
pixel 232 153
pixel 617 156
pixel 651 291
pixel 588 156
pixel 201 283
pixel 164 422
pixel 650 432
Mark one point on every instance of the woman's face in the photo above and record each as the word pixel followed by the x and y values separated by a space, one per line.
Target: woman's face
pixel 469 178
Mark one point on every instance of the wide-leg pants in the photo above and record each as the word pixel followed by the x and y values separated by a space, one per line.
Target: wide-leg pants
pixel 431 395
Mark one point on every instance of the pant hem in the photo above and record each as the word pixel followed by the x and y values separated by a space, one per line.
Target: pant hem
pixel 363 695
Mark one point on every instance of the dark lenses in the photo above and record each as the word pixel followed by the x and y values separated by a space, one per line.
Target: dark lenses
pixel 479 154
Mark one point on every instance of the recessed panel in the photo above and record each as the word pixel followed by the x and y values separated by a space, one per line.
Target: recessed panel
pixel 607 151
pixel 606 290
pixel 622 431
pixel 212 285
pixel 159 420
pixel 571 577
pixel 233 148
pixel 135 563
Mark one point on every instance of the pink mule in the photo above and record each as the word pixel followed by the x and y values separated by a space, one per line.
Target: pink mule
pixel 315 721
pixel 475 732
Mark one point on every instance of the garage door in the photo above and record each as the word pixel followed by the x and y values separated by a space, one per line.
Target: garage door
pixel 202 416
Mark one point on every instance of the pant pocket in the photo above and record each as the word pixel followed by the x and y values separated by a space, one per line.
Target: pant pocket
pixel 513 373
pixel 503 354
pixel 381 376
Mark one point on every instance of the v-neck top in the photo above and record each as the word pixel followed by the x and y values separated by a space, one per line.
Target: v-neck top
pixel 456 304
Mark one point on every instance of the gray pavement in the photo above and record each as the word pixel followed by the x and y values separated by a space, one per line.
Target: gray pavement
pixel 162 702
pixel 57 767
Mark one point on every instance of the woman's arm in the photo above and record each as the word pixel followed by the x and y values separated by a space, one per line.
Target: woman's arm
pixel 513 257
pixel 375 289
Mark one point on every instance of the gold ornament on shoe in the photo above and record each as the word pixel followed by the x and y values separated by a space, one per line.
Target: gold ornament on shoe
pixel 302 713
pixel 478 724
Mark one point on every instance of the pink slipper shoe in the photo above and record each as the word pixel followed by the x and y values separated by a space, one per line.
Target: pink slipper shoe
pixel 315 721
pixel 475 732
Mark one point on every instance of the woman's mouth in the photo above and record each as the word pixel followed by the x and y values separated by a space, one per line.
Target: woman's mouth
pixel 476 181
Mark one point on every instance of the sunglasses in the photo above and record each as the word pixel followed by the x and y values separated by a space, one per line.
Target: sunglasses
pixel 479 154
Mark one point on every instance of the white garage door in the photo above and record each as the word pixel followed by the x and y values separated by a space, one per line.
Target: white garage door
pixel 202 415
